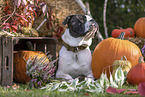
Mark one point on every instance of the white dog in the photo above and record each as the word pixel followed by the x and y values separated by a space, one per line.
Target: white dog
pixel 75 56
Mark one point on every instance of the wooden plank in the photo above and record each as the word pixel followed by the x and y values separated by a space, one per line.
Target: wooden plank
pixel 0 61
pixel 52 49
pixel 7 61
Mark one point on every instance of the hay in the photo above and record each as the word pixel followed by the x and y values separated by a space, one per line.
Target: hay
pixel 140 42
pixel 61 9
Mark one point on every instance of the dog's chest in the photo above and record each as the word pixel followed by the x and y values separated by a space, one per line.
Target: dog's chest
pixel 75 67
pixel 75 63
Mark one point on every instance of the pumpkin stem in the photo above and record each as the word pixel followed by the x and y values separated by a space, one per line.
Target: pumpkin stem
pixel 121 36
pixel 119 27
pixel 123 58
pixel 141 59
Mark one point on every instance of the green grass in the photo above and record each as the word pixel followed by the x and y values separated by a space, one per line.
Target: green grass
pixel 24 91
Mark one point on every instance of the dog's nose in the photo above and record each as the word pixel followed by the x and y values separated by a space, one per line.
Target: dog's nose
pixel 93 23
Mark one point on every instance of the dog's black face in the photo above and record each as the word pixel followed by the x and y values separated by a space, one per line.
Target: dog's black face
pixel 78 24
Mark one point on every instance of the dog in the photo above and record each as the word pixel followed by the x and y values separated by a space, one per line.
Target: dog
pixel 75 56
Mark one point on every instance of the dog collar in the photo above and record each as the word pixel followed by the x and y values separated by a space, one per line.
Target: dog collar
pixel 76 48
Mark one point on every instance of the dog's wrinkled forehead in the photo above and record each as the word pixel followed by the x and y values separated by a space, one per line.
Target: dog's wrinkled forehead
pixel 75 18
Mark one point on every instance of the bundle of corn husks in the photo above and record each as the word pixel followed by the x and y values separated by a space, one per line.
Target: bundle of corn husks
pixel 140 42
pixel 10 34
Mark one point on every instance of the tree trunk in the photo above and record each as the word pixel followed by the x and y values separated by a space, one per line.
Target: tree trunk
pixel 104 18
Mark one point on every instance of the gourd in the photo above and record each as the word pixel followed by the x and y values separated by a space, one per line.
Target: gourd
pixel 20 59
pixel 111 49
pixel 136 74
pixel 29 32
pixel 123 63
pixel 129 32
pixel 139 27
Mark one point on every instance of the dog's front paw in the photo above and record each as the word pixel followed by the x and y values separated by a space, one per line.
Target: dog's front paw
pixel 63 76
pixel 91 76
pixel 70 80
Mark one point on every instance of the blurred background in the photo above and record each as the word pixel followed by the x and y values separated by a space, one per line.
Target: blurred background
pixel 122 13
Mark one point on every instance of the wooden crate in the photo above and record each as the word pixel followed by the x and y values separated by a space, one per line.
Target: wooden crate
pixel 10 45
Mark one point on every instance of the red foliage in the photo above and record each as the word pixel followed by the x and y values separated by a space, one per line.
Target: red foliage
pixel 141 89
pixel 111 90
pixel 23 13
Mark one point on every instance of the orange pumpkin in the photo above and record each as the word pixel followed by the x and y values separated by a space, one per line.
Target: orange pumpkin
pixel 111 49
pixel 136 74
pixel 129 32
pixel 139 27
pixel 20 59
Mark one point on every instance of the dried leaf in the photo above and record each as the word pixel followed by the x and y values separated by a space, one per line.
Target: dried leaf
pixel 14 28
pixel 86 94
pixel 8 86
pixel 27 90
pixel 6 8
pixel 111 90
pixel 15 86
pixel 132 92
pixel 141 89
pixel 121 90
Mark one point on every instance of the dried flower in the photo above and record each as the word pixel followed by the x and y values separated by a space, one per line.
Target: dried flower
pixel 143 50
pixel 40 70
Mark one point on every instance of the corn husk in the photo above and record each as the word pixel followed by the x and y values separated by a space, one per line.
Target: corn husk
pixel 140 42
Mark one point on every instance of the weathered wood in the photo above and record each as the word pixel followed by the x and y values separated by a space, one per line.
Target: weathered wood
pixel 7 61
pixel 0 61
pixel 10 45
pixel 52 48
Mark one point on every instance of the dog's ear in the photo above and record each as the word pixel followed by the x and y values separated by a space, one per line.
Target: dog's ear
pixel 67 20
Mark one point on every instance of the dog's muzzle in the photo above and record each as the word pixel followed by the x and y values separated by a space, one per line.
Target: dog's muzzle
pixel 76 48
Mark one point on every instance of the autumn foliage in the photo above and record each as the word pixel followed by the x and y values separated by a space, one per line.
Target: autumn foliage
pixel 22 13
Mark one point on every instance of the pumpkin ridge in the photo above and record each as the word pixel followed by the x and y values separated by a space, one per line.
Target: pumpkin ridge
pixel 118 43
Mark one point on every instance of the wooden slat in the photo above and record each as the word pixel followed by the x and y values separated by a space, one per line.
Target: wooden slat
pixel 0 61
pixel 7 61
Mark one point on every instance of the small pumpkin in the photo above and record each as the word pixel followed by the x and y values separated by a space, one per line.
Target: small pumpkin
pixel 124 63
pixel 136 74
pixel 129 32
pixel 139 27
pixel 20 59
pixel 111 49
